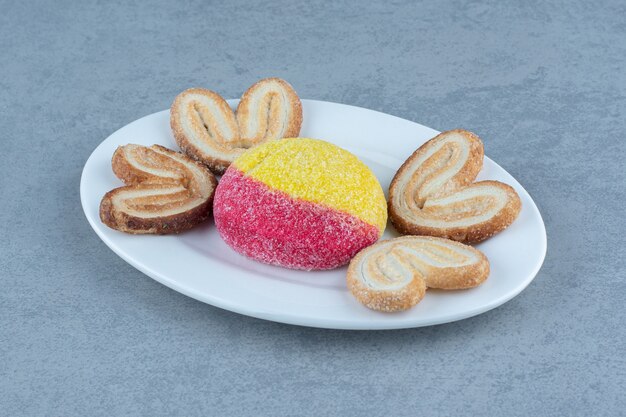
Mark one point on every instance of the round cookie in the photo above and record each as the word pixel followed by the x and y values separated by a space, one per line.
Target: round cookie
pixel 299 203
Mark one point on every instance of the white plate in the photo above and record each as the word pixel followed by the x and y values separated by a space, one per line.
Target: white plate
pixel 199 264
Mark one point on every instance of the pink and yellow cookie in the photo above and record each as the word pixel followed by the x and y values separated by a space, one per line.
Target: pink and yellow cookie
pixel 299 203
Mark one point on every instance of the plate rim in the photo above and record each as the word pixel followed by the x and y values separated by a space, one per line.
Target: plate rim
pixel 300 320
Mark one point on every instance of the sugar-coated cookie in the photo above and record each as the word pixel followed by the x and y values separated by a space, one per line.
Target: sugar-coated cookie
pixel 299 203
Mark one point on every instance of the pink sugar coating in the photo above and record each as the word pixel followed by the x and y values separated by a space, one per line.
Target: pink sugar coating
pixel 272 227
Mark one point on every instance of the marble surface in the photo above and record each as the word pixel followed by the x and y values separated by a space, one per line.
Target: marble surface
pixel 83 333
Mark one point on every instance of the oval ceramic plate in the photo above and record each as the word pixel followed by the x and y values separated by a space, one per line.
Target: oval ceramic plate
pixel 199 264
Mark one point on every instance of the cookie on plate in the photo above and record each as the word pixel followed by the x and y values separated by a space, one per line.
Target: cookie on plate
pixel 207 129
pixel 393 275
pixel 165 192
pixel 299 203
pixel 434 193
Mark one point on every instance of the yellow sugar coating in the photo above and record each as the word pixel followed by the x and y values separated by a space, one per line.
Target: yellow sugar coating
pixel 319 172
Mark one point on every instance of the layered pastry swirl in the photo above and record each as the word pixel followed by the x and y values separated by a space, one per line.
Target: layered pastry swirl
pixel 206 128
pixel 433 192
pixel 393 275
pixel 165 192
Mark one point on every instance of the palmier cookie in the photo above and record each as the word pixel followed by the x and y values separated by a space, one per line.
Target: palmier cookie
pixel 393 275
pixel 165 192
pixel 206 128
pixel 433 192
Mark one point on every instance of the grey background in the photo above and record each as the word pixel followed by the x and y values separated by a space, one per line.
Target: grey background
pixel 83 333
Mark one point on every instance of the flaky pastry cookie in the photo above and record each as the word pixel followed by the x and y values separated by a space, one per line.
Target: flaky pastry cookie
pixel 433 192
pixel 393 275
pixel 206 128
pixel 165 192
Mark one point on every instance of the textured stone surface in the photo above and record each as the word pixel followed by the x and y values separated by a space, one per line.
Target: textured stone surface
pixel 83 333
